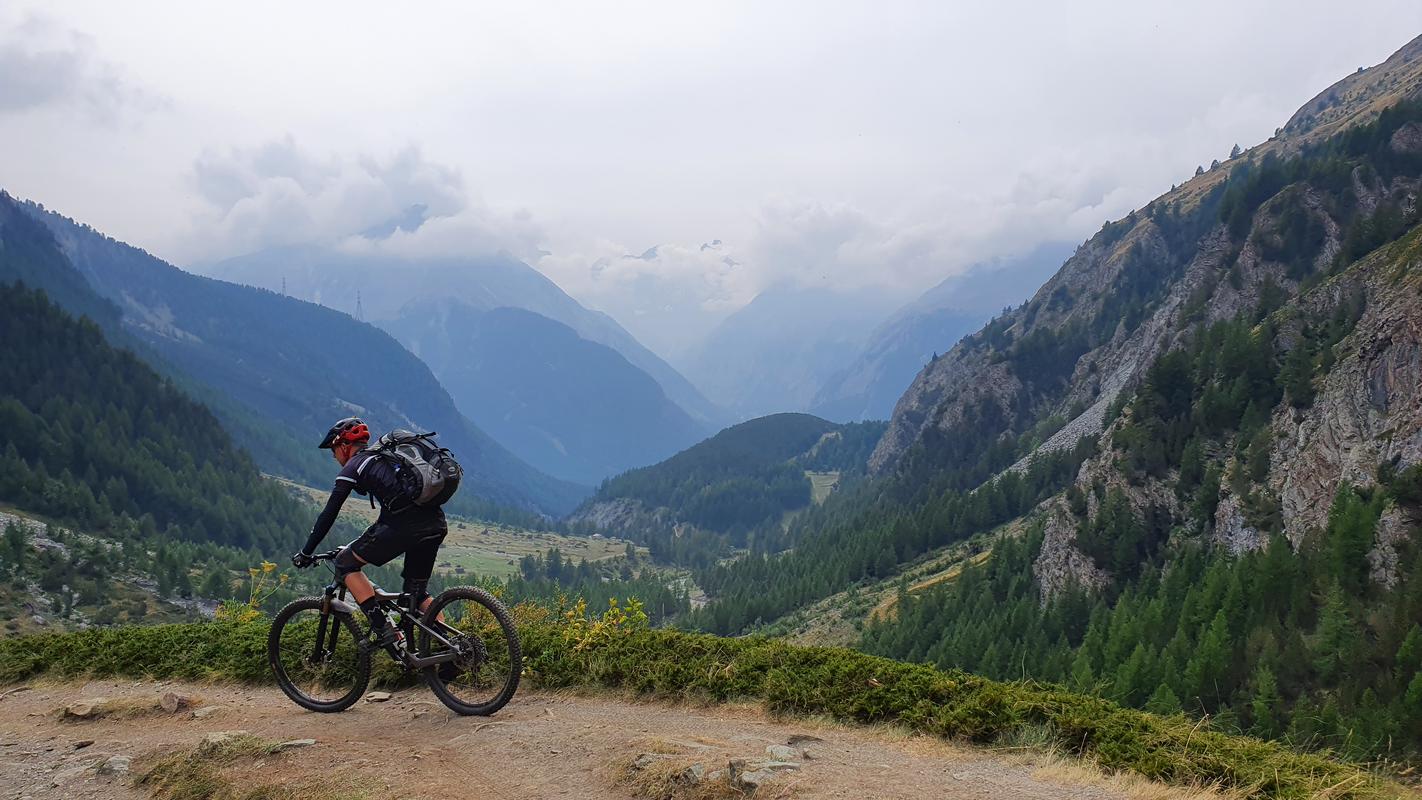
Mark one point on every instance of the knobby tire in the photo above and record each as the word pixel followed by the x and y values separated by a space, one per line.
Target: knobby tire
pixel 348 628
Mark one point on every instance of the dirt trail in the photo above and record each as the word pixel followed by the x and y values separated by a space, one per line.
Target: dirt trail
pixel 541 745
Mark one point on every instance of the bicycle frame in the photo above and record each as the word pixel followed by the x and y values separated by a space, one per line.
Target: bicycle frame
pixel 335 600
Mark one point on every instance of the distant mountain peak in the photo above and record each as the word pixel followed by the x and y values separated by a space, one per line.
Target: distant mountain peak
pixel 408 221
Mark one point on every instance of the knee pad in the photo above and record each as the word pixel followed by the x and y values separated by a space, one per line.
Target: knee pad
pixel 417 589
pixel 346 563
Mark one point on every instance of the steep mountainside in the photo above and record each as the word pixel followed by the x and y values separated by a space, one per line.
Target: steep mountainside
pixel 870 385
pixel 387 284
pixel 292 365
pixel 1234 371
pixel 1096 325
pixel 571 407
pixel 775 354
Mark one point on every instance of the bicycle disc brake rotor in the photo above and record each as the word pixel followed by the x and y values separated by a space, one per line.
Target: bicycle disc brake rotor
pixel 470 652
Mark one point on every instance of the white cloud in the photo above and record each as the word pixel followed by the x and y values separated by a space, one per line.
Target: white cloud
pixel 474 231
pixel 44 65
pixel 278 193
pixel 845 144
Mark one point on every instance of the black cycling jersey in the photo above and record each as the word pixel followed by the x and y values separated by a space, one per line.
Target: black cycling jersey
pixel 365 474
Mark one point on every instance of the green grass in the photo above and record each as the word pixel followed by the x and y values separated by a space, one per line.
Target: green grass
pixel 840 683
pixel 482 548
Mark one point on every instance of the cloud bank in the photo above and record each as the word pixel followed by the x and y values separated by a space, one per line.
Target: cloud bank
pixel 44 65
pixel 279 194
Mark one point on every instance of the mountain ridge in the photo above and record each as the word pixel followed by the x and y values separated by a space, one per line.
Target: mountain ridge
pixel 573 408
pixel 870 385
pixel 332 277
pixel 288 361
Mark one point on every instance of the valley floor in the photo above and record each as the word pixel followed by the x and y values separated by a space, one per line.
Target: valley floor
pixel 541 745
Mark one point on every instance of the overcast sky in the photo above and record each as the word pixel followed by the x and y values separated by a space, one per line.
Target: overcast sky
pixel 821 143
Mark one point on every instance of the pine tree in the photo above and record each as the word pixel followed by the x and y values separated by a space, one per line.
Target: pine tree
pixel 1409 655
pixel 1337 641
pixel 1163 701
pixel 1082 677
pixel 1412 706
pixel 216 584
pixel 1207 671
pixel 1351 521
pixel 1264 705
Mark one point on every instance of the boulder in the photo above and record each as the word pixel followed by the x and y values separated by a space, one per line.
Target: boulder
pixel 115 765
pixel 89 708
pixel 780 752
pixel 172 702
pixel 749 776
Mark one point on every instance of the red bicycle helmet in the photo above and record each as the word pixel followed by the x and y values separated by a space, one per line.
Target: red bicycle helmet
pixel 350 430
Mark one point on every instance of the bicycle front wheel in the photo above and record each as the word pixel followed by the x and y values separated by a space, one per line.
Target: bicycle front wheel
pixel 479 633
pixel 317 656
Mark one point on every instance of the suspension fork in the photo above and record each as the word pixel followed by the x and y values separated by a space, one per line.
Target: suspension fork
pixel 323 650
pixel 335 627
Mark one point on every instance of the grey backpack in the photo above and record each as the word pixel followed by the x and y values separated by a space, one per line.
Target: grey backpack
pixel 428 473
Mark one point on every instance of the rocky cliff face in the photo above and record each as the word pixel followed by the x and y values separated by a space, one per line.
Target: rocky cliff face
pixel 1143 285
pixel 1369 408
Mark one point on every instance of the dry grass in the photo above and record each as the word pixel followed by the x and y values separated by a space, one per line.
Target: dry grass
pixel 887 609
pixel 204 773
pixel 670 779
pixel 1056 768
pixel 121 708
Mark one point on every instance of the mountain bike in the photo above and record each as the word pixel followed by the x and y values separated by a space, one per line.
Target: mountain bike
pixel 464 646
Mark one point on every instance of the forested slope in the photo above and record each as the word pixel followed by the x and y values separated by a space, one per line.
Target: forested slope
pixel 731 490
pixel 93 436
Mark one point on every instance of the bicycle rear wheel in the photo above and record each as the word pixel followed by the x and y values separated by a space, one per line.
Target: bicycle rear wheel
pixel 317 656
pixel 483 675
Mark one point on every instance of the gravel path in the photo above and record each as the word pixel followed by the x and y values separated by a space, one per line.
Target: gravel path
pixel 541 745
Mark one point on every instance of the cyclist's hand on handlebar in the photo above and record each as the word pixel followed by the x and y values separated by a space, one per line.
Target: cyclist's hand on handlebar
pixel 302 560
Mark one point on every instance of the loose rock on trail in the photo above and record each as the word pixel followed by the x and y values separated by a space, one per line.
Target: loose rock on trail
pixel 541 745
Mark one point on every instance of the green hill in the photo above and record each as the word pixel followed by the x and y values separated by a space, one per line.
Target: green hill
pixel 734 490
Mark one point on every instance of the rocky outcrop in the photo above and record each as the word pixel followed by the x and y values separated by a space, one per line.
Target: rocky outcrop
pixel 620 514
pixel 1407 139
pixel 1393 529
pixel 1060 565
pixel 1231 531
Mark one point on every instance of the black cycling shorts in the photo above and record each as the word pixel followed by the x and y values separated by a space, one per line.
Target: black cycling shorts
pixel 418 538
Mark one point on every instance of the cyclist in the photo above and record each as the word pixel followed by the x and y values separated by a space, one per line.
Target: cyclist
pixel 402 527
